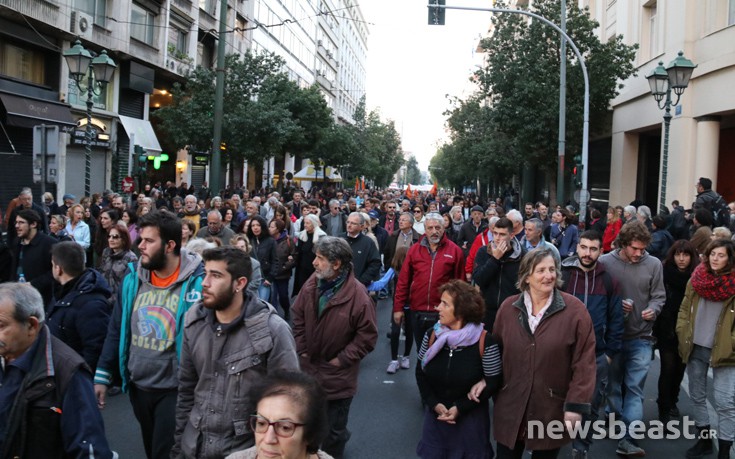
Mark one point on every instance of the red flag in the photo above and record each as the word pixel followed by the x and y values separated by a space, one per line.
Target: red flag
pixel 433 189
pixel 356 184
pixel 363 184
pixel 409 194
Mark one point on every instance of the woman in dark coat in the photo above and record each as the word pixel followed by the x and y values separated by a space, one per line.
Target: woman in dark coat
pixel 454 355
pixel 282 264
pixel 305 251
pixel 549 359
pixel 678 266
pixel 264 250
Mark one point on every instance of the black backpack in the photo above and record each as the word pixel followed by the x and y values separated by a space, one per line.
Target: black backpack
pixel 721 212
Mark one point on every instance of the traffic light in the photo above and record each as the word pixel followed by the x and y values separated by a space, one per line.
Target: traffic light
pixel 142 157
pixel 436 15
pixel 577 171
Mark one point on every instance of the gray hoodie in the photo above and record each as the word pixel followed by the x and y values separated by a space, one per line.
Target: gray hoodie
pixel 643 282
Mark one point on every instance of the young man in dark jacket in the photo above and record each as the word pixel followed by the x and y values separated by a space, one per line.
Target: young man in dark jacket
pixel 588 280
pixel 80 310
pixel 496 269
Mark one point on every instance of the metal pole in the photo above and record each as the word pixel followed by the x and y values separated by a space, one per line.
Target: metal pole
pixel 586 116
pixel 43 159
pixel 88 135
pixel 665 160
pixel 215 172
pixel 562 109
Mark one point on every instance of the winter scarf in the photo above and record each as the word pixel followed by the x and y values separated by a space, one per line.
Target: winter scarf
pixel 465 336
pixel 327 289
pixel 713 287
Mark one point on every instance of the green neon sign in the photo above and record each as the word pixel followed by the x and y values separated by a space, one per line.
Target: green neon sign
pixel 157 160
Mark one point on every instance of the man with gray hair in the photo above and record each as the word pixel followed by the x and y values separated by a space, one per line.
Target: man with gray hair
pixel 334 329
pixel 216 229
pixel 517 219
pixel 534 237
pixel 365 254
pixel 431 262
pixel 629 214
pixel 334 223
pixel 47 403
pixel 268 211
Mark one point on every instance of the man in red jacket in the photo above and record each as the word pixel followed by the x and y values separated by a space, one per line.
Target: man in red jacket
pixel 430 263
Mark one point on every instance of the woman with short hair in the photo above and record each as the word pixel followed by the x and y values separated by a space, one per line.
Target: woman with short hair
pixel 289 419
pixel 549 363
pixel 454 355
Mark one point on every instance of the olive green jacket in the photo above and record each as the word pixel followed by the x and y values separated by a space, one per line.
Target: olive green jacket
pixel 723 350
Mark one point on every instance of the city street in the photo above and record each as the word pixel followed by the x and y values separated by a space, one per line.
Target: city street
pixel 386 415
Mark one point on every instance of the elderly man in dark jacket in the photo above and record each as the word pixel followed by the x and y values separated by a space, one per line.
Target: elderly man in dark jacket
pixel 365 255
pixel 47 403
pixel 80 310
pixel 334 328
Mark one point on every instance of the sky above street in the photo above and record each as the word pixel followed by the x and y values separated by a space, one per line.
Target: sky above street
pixel 412 66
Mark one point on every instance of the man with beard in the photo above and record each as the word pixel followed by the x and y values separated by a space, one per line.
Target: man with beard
pixel 588 280
pixel 232 340
pixel 334 328
pixel 192 212
pixel 32 253
pixel 429 264
pixel 25 201
pixel 146 329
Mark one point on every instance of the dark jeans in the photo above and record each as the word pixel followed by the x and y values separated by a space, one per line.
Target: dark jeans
pixel 280 295
pixel 503 452
pixel 669 380
pixel 338 412
pixel 420 322
pixel 583 443
pixel 395 335
pixel 156 414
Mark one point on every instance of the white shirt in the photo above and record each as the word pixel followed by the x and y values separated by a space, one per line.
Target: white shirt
pixel 533 321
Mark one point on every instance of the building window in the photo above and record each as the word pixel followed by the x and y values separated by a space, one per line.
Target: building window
pixel 142 24
pixel 178 41
pixel 22 63
pixel 210 6
pixel 95 8
pixel 731 13
pixel 650 31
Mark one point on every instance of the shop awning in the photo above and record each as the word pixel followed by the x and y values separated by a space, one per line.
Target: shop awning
pixel 314 175
pixel 28 112
pixel 142 132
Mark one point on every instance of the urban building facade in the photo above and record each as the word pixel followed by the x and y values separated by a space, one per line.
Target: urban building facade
pixel 702 134
pixel 154 44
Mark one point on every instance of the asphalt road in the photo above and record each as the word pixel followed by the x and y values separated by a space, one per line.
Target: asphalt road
pixel 386 414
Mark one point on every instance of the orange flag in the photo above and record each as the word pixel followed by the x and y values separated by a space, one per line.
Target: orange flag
pixel 409 194
pixel 433 189
pixel 363 184
pixel 356 184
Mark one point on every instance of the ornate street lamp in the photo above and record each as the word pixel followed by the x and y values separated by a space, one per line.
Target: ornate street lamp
pixel 663 80
pixel 99 70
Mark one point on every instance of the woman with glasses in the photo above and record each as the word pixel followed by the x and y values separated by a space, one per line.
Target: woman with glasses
pixel 290 418
pixel 108 218
pixel 418 216
pixel 116 256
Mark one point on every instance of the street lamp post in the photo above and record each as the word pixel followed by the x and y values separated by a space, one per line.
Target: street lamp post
pixel 663 80
pixel 99 70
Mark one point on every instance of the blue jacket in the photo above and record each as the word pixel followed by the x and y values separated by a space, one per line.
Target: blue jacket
pixel 117 344
pixel 600 292
pixel 80 315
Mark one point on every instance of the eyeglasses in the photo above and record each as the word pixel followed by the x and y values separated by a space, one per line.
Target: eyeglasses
pixel 113 236
pixel 284 429
pixel 417 211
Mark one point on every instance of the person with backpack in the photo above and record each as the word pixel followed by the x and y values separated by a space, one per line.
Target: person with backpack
pixel 588 280
pixel 708 199
pixel 455 354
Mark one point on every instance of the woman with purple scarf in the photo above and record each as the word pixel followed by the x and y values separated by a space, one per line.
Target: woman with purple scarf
pixel 454 355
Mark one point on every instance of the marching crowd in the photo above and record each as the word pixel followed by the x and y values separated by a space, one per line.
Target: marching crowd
pixel 236 322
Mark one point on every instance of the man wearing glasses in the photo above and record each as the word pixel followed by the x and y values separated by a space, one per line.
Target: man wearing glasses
pixel 215 228
pixel 388 219
pixel 334 223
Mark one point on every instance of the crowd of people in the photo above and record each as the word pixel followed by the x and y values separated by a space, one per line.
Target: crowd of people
pixel 237 322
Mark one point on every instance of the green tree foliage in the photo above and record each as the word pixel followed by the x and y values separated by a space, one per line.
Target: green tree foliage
pixel 379 147
pixel 513 118
pixel 413 174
